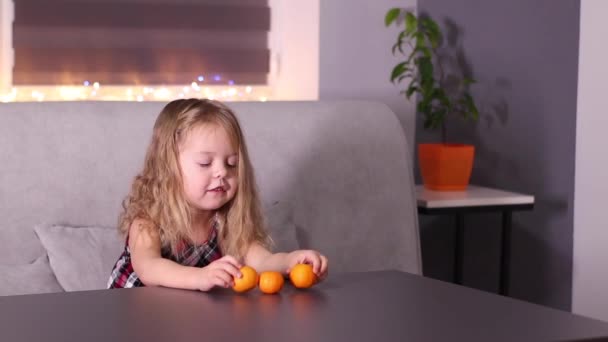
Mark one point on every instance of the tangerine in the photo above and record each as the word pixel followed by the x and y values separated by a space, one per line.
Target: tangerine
pixel 302 276
pixel 271 282
pixel 247 281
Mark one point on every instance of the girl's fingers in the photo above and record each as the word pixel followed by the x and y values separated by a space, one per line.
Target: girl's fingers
pixel 316 262
pixel 232 260
pixel 324 265
pixel 225 279
pixel 230 268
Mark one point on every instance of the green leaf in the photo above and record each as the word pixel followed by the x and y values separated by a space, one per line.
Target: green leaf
pixel 402 35
pixel 433 32
pixel 404 76
pixel 410 57
pixel 413 83
pixel 437 118
pixel 398 70
pixel 440 95
pixel 470 104
pixel 391 16
pixel 421 46
pixel 468 81
pixel 410 91
pixel 399 43
pixel 425 104
pixel 395 47
pixel 420 40
pixel 425 67
pixel 411 23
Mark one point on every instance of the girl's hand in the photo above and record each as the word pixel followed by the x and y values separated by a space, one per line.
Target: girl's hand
pixel 317 260
pixel 220 273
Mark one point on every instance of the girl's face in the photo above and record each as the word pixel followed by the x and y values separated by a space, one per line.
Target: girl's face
pixel 209 167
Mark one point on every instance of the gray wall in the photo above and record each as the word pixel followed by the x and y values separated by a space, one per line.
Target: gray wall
pixel 355 59
pixel 524 55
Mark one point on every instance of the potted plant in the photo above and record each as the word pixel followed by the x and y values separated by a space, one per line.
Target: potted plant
pixel 440 94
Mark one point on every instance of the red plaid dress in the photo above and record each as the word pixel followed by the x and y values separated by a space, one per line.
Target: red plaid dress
pixel 124 276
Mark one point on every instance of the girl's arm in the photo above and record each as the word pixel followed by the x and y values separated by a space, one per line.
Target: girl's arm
pixel 262 260
pixel 154 270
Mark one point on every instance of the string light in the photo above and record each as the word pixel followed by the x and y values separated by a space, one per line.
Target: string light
pixel 94 90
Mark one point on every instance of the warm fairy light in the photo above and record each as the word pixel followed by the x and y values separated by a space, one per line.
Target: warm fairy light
pixel 162 94
pixel 94 90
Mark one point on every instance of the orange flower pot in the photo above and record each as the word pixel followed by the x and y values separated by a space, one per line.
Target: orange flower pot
pixel 446 167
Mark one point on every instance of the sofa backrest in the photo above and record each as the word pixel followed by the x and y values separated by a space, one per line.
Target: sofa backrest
pixel 342 170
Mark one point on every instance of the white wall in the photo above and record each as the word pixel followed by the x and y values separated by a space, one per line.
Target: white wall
pixel 355 55
pixel 338 49
pixel 590 255
pixel 6 45
pixel 294 44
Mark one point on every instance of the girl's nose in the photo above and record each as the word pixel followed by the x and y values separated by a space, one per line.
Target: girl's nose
pixel 220 172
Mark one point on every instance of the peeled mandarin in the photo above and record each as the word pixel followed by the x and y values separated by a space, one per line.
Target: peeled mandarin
pixel 247 281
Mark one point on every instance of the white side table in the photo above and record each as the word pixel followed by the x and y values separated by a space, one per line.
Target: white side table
pixel 475 199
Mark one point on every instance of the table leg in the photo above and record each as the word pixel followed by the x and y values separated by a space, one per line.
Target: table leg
pixel 505 255
pixel 459 248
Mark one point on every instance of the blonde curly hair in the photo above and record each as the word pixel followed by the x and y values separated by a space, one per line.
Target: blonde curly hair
pixel 157 192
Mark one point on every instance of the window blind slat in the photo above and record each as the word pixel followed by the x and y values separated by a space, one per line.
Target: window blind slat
pixel 175 16
pixel 130 78
pixel 140 60
pixel 258 3
pixel 33 37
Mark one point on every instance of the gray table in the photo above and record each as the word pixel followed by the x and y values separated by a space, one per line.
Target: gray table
pixel 375 306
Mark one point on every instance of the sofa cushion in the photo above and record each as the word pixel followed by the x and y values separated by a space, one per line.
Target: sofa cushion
pixel 36 277
pixel 81 257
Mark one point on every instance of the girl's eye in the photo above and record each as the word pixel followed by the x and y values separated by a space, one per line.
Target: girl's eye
pixel 204 164
pixel 232 166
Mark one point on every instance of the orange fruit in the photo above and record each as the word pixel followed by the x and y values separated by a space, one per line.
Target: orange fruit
pixel 247 281
pixel 271 282
pixel 302 276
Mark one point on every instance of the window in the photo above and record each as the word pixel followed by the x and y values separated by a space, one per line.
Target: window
pixel 65 42
pixel 158 49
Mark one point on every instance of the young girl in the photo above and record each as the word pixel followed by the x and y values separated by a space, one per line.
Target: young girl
pixel 193 218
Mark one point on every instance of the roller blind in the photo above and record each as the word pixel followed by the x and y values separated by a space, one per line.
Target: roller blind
pixel 126 42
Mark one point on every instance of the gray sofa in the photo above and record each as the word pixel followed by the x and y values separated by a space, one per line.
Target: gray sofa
pixel 334 176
